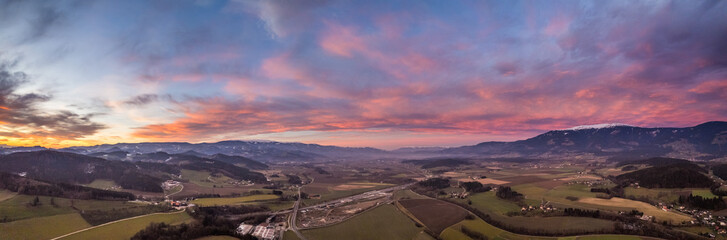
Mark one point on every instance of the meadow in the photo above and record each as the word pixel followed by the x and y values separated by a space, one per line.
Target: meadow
pixel 42 227
pixel 17 207
pixel 126 229
pixel 647 209
pixel 383 222
pixel 434 214
pixel 478 225
pixel 206 202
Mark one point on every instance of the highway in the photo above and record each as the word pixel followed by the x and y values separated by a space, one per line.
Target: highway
pixel 294 215
pixel 359 196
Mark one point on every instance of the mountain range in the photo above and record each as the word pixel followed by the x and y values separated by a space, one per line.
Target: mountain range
pixel 705 141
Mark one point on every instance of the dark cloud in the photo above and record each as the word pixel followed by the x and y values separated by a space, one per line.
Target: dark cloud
pixel 20 113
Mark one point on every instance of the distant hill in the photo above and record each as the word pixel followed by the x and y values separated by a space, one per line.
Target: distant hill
pixel 677 175
pixel 215 166
pixel 73 168
pixel 248 163
pixel 654 162
pixel 266 151
pixel 619 142
pixel 445 162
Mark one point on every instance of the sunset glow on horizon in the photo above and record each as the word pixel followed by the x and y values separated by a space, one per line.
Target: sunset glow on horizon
pixel 384 74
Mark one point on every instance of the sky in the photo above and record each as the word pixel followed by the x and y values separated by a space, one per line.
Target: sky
pixel 383 74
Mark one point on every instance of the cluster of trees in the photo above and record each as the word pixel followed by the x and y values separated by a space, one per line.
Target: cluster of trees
pixel 35 202
pixel 431 187
pixel 629 168
pixel 720 171
pixel 159 167
pixel 507 193
pixel 715 203
pixel 577 212
pixel 320 170
pixel 601 190
pixel 437 183
pixel 475 235
pixel 475 187
pixel 210 221
pixel 679 175
pixel 294 179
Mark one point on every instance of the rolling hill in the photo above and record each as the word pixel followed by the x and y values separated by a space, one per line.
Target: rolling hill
pixel 620 142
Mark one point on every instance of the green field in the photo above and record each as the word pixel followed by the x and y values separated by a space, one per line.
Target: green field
pixel 407 194
pixel 647 209
pixel 290 235
pixel 16 208
pixel 705 193
pixel 488 202
pixel 492 232
pixel 5 194
pixel 498 209
pixel 102 184
pixel 204 202
pixel 217 238
pixel 42 227
pixel 383 222
pixel 205 179
pixel 127 228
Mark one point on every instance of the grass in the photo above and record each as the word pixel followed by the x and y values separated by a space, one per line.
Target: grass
pixel 705 193
pixel 498 208
pixel 488 202
pixel 407 194
pixel 128 228
pixel 205 202
pixel 383 222
pixel 574 190
pixel 646 208
pixel 16 208
pixel 290 235
pixel 102 184
pixel 5 195
pixel 492 232
pixel 435 214
pixel 205 179
pixel 668 195
pixel 42 227
pixel 217 238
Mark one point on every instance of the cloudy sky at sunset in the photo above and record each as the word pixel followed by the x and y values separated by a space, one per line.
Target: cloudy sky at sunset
pixel 383 74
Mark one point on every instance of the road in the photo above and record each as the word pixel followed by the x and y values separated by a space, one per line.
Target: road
pixel 297 208
pixel 359 196
pixel 294 215
pixel 120 220
pixel 180 190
